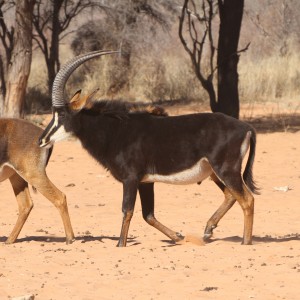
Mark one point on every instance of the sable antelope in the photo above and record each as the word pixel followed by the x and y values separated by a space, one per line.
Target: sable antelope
pixel 141 148
pixel 23 162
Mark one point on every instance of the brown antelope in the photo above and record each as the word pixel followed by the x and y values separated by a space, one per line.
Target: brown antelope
pixel 141 148
pixel 23 162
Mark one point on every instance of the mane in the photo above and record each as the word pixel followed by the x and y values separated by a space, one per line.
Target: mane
pixel 122 109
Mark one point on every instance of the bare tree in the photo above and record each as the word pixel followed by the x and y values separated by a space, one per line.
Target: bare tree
pixel 127 24
pixel 6 47
pixel 276 26
pixel 200 46
pixel 17 43
pixel 51 19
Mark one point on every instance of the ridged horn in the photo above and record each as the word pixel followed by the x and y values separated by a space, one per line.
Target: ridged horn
pixel 67 69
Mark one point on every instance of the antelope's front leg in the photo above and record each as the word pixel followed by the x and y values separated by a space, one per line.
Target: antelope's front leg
pixel 147 199
pixel 129 197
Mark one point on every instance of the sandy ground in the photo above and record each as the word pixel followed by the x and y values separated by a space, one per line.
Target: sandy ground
pixel 151 267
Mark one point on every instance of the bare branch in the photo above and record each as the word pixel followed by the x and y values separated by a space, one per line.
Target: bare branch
pixel 181 22
pixel 198 43
pixel 244 49
pixel 6 34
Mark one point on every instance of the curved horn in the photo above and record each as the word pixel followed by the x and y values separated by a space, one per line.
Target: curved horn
pixel 65 72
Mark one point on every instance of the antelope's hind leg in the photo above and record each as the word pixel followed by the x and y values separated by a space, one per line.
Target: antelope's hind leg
pixel 146 191
pixel 25 205
pixel 236 190
pixel 221 211
pixel 246 201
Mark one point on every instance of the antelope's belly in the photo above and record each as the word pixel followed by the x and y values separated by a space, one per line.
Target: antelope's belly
pixel 197 173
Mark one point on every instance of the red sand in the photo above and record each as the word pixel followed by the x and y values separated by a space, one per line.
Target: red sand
pixel 151 267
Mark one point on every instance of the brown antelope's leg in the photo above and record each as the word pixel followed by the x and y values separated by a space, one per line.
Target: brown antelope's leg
pixel 246 200
pixel 129 197
pixel 239 191
pixel 42 183
pixel 20 187
pixel 221 211
pixel 146 191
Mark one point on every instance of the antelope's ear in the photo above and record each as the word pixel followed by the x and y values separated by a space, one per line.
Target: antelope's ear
pixel 77 102
pixel 76 97
pixel 89 99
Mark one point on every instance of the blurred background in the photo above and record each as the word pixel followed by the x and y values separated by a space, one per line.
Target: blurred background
pixel 154 66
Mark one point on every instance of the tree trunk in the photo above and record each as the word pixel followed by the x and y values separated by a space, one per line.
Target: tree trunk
pixel 231 14
pixel 2 86
pixel 53 64
pixel 19 66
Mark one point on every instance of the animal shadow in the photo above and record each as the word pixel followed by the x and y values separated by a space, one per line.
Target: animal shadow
pixel 43 239
pixel 131 241
pixel 260 239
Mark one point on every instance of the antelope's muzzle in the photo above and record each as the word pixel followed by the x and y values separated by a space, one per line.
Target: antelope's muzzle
pixel 54 131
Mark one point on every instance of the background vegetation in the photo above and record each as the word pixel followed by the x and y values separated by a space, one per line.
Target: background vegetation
pixel 159 69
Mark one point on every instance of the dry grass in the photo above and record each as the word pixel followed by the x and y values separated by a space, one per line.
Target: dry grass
pixel 274 79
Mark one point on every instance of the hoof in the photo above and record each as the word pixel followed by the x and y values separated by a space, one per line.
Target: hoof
pixel 121 244
pixel 179 237
pixel 8 242
pixel 70 241
pixel 207 236
pixel 208 232
pixel 247 243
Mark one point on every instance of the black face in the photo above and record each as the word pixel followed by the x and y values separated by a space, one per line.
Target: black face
pixel 55 130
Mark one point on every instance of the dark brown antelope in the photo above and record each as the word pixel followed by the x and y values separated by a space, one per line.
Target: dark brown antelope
pixel 23 162
pixel 141 148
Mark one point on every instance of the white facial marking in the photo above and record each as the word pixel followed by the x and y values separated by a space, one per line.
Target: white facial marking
pixel 55 119
pixel 197 173
pixel 55 123
pixel 59 135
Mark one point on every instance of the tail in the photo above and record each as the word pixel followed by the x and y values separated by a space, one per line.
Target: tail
pixel 248 175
